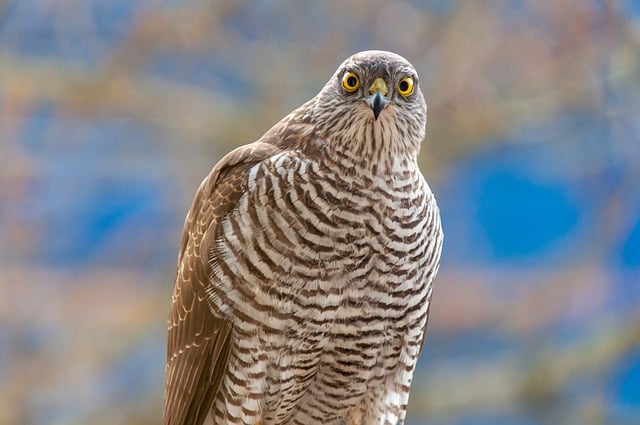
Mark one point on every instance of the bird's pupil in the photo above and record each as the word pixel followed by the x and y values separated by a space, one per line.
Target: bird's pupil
pixel 404 86
pixel 351 81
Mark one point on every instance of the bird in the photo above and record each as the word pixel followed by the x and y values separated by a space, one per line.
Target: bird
pixel 306 267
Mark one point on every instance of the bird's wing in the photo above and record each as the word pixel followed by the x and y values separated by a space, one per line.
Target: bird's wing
pixel 199 343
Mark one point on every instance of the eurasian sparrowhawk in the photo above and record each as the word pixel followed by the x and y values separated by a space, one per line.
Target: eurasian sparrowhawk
pixel 305 272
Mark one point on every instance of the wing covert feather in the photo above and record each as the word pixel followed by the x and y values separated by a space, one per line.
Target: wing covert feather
pixel 199 343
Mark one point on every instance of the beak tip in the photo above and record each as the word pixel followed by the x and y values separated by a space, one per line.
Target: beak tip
pixel 377 102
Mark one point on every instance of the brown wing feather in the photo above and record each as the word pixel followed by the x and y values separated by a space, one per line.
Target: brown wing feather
pixel 198 345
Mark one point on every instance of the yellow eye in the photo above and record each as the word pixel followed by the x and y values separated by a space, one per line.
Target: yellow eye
pixel 405 86
pixel 350 82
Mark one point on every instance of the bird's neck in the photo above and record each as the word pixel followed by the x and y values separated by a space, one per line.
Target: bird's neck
pixel 376 151
pixel 381 163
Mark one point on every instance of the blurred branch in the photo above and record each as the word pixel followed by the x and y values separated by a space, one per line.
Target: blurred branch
pixel 172 106
pixel 622 23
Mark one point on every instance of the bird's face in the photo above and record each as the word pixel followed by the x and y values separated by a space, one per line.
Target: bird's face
pixel 374 95
pixel 377 84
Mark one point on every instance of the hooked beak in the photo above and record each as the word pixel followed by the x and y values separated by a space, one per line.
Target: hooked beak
pixel 377 100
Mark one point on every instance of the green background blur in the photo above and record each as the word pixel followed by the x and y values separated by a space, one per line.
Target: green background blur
pixel 112 112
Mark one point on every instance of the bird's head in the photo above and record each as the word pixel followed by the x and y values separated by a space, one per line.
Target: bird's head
pixel 373 104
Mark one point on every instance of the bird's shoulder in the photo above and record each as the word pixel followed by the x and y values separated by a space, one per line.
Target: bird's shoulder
pixel 220 191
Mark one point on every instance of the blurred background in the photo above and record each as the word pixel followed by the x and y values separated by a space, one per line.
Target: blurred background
pixel 112 112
